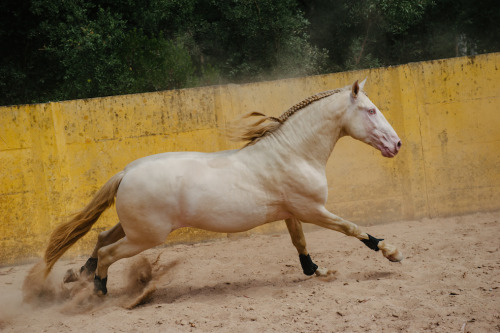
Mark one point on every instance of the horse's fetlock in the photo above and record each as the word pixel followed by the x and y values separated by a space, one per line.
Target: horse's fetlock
pixel 100 285
pixel 308 266
pixel 89 267
pixel 372 242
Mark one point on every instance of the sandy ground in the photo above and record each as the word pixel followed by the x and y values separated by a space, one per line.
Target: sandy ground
pixel 449 282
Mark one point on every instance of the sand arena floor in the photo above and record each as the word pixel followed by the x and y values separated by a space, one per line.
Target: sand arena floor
pixel 449 282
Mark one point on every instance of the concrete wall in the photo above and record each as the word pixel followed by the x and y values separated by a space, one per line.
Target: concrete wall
pixel 54 156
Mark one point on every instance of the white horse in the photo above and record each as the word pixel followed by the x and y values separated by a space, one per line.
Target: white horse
pixel 278 175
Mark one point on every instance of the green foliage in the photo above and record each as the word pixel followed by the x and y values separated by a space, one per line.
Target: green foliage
pixel 155 63
pixel 249 40
pixel 85 50
pixel 372 33
pixel 62 49
pixel 358 34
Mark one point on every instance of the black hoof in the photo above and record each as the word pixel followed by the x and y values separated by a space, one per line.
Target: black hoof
pixel 90 267
pixel 70 276
pixel 372 242
pixel 308 267
pixel 100 285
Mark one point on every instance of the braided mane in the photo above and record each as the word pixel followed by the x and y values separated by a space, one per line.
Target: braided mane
pixel 254 131
pixel 305 103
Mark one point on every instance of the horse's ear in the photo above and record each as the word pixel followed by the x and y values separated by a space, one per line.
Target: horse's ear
pixel 362 84
pixel 355 89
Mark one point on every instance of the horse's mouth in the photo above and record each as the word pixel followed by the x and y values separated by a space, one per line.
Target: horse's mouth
pixel 386 152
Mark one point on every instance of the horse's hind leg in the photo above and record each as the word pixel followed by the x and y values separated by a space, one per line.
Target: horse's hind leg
pixel 123 248
pixel 299 241
pixel 108 237
pixel 104 238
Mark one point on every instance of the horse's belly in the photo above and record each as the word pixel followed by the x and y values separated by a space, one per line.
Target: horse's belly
pixel 222 209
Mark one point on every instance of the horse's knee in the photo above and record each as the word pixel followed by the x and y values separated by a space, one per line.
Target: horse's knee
pixel 103 257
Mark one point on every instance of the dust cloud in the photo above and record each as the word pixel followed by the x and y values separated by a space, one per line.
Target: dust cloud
pixel 76 296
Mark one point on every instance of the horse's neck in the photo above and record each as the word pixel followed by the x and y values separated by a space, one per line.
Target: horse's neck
pixel 310 134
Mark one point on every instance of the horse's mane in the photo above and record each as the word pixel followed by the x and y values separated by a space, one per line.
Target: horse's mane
pixel 253 131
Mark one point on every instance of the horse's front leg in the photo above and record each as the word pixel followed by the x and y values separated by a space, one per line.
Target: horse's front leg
pixel 299 241
pixel 326 219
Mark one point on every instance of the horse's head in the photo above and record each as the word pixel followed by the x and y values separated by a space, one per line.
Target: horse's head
pixel 364 121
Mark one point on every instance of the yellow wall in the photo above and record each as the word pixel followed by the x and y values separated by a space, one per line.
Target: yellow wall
pixel 54 156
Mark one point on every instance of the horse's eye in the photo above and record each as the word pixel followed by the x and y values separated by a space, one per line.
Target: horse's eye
pixel 371 111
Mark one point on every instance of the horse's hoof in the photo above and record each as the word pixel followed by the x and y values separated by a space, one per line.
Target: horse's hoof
pixel 396 256
pixel 390 252
pixel 70 276
pixel 100 286
pixel 324 272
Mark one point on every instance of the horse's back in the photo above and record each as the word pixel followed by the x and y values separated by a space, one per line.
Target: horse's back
pixel 172 156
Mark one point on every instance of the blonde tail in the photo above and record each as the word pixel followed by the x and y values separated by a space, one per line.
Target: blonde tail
pixel 66 234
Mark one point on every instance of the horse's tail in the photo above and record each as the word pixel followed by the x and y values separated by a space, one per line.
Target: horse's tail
pixel 66 234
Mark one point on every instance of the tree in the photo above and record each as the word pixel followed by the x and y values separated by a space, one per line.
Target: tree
pixel 357 34
pixel 376 33
pixel 81 48
pixel 60 49
pixel 251 40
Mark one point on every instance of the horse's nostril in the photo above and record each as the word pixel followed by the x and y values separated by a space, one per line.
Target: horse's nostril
pixel 399 144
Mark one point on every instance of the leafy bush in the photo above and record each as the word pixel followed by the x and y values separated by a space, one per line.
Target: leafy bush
pixel 60 49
